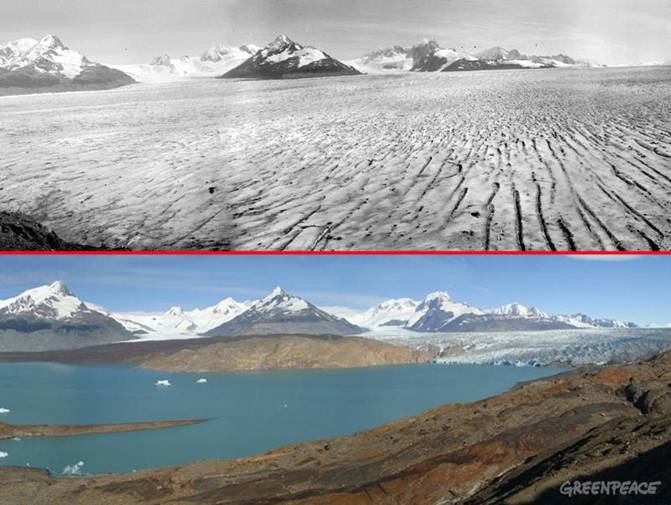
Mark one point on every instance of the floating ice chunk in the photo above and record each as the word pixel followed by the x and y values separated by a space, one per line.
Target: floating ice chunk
pixel 201 381
pixel 75 469
pixel 3 454
pixel 4 410
pixel 163 383
pixel 16 439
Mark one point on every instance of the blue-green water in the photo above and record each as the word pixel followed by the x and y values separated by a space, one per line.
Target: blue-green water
pixel 252 412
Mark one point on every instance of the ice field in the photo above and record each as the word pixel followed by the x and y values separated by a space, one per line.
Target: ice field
pixel 534 160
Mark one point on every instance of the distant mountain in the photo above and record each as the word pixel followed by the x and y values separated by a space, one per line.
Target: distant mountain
pixel 52 317
pixel 438 313
pixel 213 62
pixel 395 58
pixel 498 322
pixel 430 56
pixel 282 313
pixel 178 322
pixel 438 310
pixel 284 58
pixel 498 58
pixel 398 312
pixel 28 65
pixel 437 59
pixel 583 321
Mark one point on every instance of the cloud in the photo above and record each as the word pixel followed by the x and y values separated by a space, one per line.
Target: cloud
pixel 604 257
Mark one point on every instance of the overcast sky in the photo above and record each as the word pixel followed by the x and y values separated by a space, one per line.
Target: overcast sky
pixel 634 290
pixel 122 31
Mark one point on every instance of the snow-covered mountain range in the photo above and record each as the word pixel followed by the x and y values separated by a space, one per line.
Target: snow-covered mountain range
pixel 48 64
pixel 285 58
pixel 430 56
pixel 52 317
pixel 439 313
pixel 282 313
pixel 180 323
pixel 216 61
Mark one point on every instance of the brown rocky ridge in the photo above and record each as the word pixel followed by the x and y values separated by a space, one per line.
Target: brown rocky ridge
pixel 239 353
pixel 68 430
pixel 290 352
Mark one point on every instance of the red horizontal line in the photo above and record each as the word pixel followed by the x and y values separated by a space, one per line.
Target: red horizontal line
pixel 333 253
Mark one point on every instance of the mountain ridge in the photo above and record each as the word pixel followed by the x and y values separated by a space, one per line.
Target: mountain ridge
pixel 53 318
pixel 29 65
pixel 283 58
pixel 47 308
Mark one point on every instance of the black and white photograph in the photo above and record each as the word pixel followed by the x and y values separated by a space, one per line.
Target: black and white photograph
pixel 312 125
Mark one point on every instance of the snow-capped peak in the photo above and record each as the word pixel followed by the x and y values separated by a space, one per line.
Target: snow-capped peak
pixel 52 42
pixel 518 310
pixel 495 53
pixel 225 305
pixel 280 300
pixel 54 301
pixel 49 55
pixel 283 48
pixel 281 42
pixel 175 311
pixel 278 291
pixel 441 300
pixel 437 295
pixel 394 312
pixel 220 53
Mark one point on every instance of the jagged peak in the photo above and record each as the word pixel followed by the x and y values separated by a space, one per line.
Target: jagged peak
pixel 175 310
pixel 59 287
pixel 280 43
pixel 437 295
pixel 278 291
pixel 51 41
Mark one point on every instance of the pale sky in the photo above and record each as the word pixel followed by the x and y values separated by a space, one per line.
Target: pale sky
pixel 125 31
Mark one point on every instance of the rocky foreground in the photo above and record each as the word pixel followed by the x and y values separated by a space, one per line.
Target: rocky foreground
pixel 19 232
pixel 518 447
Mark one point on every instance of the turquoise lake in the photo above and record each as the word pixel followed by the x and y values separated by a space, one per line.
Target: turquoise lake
pixel 251 412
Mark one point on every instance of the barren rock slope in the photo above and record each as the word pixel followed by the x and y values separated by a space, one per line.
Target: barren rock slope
pixel 286 353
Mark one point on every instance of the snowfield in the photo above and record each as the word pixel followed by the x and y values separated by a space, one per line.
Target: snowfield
pixel 521 159
pixel 556 347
